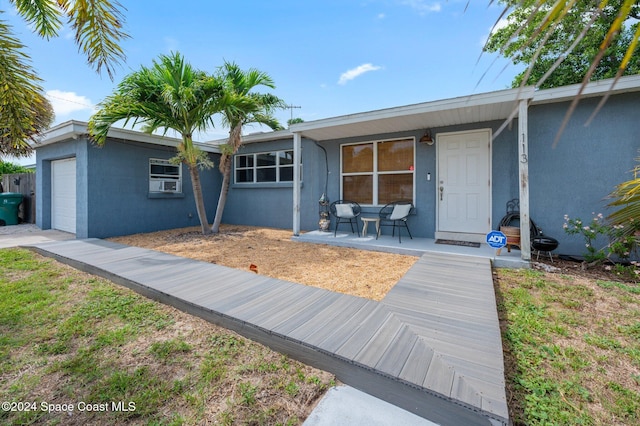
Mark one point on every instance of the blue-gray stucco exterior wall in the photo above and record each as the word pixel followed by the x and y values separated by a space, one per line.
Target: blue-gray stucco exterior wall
pixel 575 176
pixel 112 189
pixel 271 204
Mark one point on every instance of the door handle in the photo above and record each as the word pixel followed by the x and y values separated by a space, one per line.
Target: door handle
pixel 441 192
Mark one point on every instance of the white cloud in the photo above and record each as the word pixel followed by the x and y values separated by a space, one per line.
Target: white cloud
pixel 423 6
pixel 65 103
pixel 356 72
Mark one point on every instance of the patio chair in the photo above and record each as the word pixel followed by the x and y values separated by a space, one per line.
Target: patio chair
pixel 395 214
pixel 345 211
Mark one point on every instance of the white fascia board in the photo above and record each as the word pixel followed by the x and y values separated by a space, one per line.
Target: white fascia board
pixel 267 136
pixel 258 137
pixel 501 96
pixel 74 129
pixel 68 130
pixel 625 84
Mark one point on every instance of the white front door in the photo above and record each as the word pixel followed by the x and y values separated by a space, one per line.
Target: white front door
pixel 463 187
pixel 63 195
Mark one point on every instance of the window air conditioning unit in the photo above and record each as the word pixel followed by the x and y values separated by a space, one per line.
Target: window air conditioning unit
pixel 169 186
pixel 165 186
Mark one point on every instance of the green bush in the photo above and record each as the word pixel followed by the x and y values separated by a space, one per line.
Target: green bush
pixel 7 168
pixel 620 245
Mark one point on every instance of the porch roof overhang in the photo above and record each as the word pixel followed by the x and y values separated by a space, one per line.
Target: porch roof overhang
pixel 483 107
pixel 499 105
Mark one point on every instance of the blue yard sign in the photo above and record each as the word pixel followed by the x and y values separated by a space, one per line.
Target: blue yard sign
pixel 496 239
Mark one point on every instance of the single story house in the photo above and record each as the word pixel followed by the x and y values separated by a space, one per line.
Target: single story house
pixel 459 161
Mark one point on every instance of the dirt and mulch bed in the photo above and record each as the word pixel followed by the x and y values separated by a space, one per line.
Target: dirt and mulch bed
pixel 573 266
pixel 271 252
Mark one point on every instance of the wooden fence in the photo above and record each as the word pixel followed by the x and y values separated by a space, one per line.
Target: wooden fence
pixel 25 184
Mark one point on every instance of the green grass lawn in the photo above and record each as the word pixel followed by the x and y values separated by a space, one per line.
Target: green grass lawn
pixel 572 348
pixel 76 349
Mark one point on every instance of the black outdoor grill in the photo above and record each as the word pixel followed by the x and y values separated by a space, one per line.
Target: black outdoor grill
pixel 539 242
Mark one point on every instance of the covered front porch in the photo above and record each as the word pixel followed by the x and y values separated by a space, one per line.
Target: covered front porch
pixel 414 247
pixel 458 178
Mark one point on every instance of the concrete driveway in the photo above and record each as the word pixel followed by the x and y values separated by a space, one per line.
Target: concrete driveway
pixel 27 234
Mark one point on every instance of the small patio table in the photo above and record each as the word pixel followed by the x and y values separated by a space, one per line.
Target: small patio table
pixel 365 225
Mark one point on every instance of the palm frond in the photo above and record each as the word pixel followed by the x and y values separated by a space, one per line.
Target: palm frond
pixel 24 110
pixel 99 30
pixel 627 196
pixel 241 104
pixel 44 15
pixel 170 94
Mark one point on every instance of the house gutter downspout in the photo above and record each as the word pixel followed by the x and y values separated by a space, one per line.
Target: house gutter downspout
pixel 523 169
pixel 297 142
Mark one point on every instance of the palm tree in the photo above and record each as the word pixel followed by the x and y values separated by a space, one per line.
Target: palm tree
pixel 25 111
pixel 627 196
pixel 169 95
pixel 242 106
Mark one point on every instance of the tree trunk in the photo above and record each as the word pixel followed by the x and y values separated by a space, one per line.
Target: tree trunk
pixel 197 194
pixel 235 140
pixel 224 190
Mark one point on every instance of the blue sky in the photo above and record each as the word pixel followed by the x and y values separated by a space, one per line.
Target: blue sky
pixel 330 57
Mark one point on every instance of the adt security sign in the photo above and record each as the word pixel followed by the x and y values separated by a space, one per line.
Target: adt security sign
pixel 496 239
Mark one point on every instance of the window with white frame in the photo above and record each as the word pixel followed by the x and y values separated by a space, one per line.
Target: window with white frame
pixel 378 172
pixel 164 176
pixel 276 166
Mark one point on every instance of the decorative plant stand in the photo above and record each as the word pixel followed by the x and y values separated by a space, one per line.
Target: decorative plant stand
pixel 325 219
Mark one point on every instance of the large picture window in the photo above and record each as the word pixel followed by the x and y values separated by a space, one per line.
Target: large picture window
pixel 378 173
pixel 260 167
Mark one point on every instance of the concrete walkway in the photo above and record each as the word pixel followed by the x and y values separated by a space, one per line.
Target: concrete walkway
pixel 346 406
pixel 28 234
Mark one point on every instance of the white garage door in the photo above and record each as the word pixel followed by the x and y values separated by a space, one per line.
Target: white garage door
pixel 63 195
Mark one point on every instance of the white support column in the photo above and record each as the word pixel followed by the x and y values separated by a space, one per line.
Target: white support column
pixel 523 169
pixel 297 147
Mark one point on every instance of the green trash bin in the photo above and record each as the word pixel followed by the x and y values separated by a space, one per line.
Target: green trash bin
pixel 9 202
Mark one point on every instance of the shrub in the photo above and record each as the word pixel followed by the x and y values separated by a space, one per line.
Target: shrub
pixel 10 168
pixel 620 244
